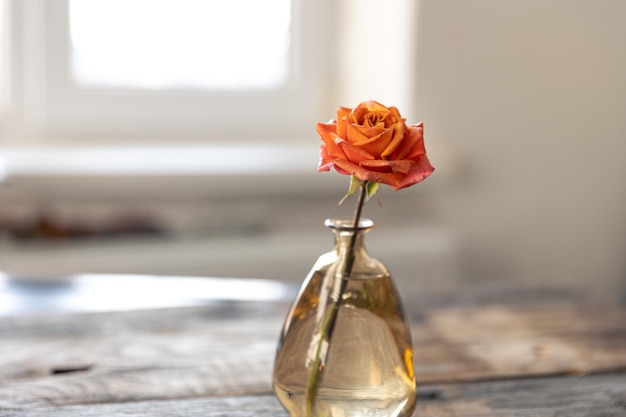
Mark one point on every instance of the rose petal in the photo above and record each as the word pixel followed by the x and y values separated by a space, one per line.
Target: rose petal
pixel 357 115
pixel 390 178
pixel 342 121
pixel 402 166
pixel 341 170
pixel 377 144
pixel 369 132
pixel 419 172
pixel 414 134
pixel 418 150
pixel 353 153
pixel 354 135
pixel 328 136
pixel 325 129
pixel 374 107
pixel 398 136
pixel 395 113
pixel 325 162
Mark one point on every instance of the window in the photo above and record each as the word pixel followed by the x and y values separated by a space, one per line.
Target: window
pixel 210 45
pixel 74 95
pixel 110 71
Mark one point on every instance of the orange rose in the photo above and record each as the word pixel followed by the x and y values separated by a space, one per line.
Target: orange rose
pixel 373 143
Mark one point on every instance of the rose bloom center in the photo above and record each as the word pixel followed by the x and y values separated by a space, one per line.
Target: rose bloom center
pixel 374 119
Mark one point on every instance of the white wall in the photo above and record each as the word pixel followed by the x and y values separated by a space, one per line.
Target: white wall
pixel 531 96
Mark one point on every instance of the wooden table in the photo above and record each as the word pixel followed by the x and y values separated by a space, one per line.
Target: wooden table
pixel 500 353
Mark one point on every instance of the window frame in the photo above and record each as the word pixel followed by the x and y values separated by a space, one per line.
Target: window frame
pixel 55 110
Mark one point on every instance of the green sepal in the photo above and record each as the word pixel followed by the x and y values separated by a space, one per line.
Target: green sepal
pixel 355 184
pixel 372 189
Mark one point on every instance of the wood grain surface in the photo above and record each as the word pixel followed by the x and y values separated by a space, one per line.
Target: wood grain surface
pixel 550 359
pixel 591 396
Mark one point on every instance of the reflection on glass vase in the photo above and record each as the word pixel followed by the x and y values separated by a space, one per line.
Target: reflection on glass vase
pixel 345 348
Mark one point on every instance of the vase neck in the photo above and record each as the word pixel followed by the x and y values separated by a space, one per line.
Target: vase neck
pixel 346 233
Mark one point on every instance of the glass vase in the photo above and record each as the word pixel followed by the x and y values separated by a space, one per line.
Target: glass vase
pixel 345 349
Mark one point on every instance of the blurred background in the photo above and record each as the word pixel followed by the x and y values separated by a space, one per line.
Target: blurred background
pixel 178 137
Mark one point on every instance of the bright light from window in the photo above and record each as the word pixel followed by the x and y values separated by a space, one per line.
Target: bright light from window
pixel 180 44
pixel 3 44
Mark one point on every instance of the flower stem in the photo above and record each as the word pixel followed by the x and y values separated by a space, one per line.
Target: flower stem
pixel 330 318
pixel 347 271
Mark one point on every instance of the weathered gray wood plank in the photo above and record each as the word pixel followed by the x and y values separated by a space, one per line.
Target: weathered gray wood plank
pixel 219 357
pixel 499 341
pixel 228 350
pixel 589 396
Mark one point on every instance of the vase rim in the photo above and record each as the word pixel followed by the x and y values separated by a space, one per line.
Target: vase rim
pixel 348 224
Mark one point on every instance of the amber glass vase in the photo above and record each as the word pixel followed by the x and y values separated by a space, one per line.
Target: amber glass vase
pixel 345 348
